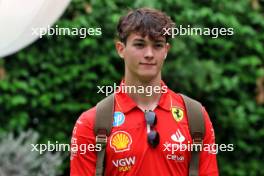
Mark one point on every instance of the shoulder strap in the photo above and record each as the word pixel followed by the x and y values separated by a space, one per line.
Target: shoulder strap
pixel 102 129
pixel 196 127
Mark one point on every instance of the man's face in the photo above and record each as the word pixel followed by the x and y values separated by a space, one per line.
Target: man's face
pixel 143 57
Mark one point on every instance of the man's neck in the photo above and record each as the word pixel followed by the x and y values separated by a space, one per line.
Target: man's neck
pixel 147 100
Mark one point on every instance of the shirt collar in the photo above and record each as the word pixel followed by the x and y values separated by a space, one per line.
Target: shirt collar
pixel 125 103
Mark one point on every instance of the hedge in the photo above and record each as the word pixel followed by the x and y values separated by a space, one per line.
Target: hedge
pixel 46 86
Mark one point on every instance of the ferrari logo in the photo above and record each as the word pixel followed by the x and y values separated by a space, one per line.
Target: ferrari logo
pixel 177 113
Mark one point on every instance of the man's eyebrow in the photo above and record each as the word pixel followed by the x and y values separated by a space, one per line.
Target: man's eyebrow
pixel 139 40
pixel 156 41
pixel 160 41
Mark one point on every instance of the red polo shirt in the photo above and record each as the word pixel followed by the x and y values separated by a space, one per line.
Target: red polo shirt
pixel 128 152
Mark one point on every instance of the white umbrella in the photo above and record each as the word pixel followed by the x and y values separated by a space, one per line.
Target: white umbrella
pixel 19 17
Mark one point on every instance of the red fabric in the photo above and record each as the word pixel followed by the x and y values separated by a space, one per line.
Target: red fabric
pixel 128 152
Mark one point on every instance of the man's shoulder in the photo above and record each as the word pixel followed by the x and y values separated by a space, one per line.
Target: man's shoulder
pixel 176 98
pixel 83 129
pixel 87 118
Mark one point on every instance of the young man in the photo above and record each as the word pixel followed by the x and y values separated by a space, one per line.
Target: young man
pixel 145 128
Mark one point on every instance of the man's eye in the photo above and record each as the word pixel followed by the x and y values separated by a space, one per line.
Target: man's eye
pixel 158 45
pixel 139 44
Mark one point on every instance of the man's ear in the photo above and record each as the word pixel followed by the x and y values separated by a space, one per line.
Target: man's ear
pixel 167 49
pixel 120 46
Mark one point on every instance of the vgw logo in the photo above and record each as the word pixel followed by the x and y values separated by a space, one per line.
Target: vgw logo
pixel 124 164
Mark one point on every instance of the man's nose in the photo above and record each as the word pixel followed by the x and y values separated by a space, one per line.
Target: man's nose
pixel 148 52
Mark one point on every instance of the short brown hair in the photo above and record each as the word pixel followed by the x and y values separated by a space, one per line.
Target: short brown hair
pixel 145 21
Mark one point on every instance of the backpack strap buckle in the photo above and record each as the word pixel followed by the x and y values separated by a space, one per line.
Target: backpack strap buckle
pixel 101 137
pixel 197 138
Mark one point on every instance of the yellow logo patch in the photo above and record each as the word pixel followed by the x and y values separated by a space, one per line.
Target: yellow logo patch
pixel 120 141
pixel 177 113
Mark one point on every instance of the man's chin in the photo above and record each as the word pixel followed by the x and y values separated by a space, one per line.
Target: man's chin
pixel 147 77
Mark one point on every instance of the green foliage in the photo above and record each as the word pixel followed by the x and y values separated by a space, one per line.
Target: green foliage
pixel 48 85
pixel 17 157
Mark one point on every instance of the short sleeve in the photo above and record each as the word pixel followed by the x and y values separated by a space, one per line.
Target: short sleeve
pixel 83 148
pixel 208 162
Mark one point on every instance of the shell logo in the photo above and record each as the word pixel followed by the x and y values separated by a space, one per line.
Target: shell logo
pixel 120 141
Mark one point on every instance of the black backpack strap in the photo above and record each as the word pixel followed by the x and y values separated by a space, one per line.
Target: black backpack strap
pixel 102 129
pixel 197 130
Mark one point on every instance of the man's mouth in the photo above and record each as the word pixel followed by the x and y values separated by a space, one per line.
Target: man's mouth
pixel 147 63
